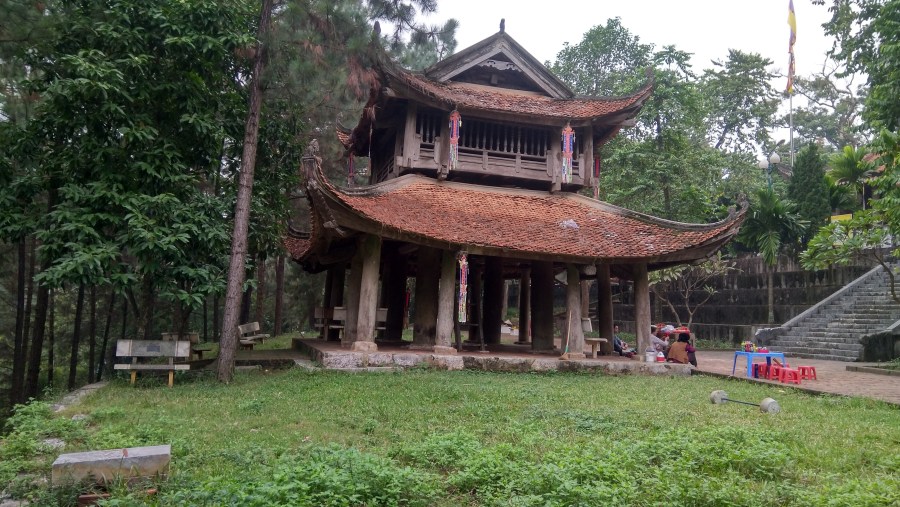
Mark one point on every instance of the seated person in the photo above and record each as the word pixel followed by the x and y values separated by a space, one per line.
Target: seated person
pixel 658 340
pixel 682 351
pixel 620 346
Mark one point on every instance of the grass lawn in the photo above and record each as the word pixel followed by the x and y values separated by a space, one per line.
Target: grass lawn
pixel 465 438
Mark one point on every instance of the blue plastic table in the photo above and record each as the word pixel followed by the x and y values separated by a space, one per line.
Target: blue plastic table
pixel 752 355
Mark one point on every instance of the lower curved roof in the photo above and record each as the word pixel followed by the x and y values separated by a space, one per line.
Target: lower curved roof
pixel 512 223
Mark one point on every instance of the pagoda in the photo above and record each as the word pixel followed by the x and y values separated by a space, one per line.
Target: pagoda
pixel 475 168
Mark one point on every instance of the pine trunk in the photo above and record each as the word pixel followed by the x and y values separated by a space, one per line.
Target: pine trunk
pixel 76 337
pixel 260 290
pixel 103 351
pixel 279 292
pixel 18 373
pixel 51 340
pixel 37 338
pixel 228 347
pixel 92 330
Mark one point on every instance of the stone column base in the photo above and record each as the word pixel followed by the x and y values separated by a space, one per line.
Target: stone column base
pixel 363 346
pixel 446 351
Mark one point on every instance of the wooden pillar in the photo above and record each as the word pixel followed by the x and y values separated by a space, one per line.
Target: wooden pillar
pixel 395 273
pixel 475 272
pixel 446 300
pixel 641 307
pixel 605 307
pixel 427 277
pixel 352 303
pixel 542 306
pixel 574 333
pixel 525 306
pixel 493 299
pixel 326 303
pixel 338 279
pixel 370 248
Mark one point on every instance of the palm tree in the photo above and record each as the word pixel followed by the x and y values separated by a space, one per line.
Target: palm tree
pixel 772 225
pixel 850 168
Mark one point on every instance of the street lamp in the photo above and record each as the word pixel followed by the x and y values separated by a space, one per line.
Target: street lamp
pixel 769 166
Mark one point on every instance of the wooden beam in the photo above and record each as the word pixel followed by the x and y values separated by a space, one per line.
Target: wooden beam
pixel 575 332
pixel 427 279
pixel 446 299
pixel 542 306
pixel 641 307
pixel 370 247
pixel 606 320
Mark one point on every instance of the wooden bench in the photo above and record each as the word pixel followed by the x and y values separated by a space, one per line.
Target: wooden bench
pixel 334 318
pixel 594 343
pixel 153 349
pixel 248 335
pixel 197 348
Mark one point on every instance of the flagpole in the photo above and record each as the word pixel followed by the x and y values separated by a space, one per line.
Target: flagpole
pixel 792 128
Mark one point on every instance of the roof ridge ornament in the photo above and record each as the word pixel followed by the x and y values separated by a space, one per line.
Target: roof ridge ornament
pixel 502 25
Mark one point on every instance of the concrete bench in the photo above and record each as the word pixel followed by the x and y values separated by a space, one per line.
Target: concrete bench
pixel 197 348
pixel 113 464
pixel 249 335
pixel 594 343
pixel 169 350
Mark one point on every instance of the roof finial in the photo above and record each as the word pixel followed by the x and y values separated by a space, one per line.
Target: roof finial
pixel 502 24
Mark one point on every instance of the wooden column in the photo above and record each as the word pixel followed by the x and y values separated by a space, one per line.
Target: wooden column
pixel 370 250
pixel 446 300
pixel 575 333
pixel 605 307
pixel 352 303
pixel 326 303
pixel 542 306
pixel 525 306
pixel 475 272
pixel 425 318
pixel 641 307
pixel 338 279
pixel 493 299
pixel 394 281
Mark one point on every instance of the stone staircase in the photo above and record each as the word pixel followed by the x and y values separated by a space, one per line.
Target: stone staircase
pixel 832 329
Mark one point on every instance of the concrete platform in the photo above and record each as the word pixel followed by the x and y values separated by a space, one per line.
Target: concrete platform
pixel 502 358
pixel 111 464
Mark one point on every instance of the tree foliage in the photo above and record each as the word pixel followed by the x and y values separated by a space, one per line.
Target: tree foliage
pixel 809 189
pixel 688 288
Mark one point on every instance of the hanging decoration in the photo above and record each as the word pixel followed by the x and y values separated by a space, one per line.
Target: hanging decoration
pixel 455 125
pixel 351 171
pixel 568 147
pixel 463 260
pixel 597 177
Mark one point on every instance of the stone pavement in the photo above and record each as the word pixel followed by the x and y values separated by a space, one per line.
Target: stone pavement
pixel 833 376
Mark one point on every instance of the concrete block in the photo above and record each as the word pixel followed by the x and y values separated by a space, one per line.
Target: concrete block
pixel 109 464
pixel 408 360
pixel 380 359
pixel 542 364
pixel 447 362
pixel 342 360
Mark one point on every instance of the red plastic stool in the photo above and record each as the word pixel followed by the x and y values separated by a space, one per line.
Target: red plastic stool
pixel 789 375
pixel 807 372
pixel 774 372
pixel 761 370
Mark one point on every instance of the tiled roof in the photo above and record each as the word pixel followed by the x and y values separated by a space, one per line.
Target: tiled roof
pixel 296 247
pixel 463 96
pixel 518 222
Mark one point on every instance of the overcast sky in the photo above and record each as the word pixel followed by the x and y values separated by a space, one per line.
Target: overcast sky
pixel 705 28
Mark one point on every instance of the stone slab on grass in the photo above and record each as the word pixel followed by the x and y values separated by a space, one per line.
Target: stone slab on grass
pixel 108 465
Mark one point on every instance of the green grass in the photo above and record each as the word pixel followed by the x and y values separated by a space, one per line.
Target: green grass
pixel 467 438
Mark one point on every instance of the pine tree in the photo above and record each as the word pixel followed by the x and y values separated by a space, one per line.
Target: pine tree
pixel 809 189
